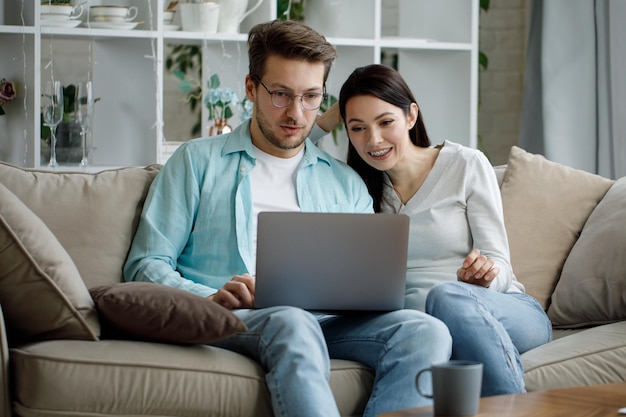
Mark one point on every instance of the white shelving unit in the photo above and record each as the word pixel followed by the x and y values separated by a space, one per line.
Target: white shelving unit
pixel 435 41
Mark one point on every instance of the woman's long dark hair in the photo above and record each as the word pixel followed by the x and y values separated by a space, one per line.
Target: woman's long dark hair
pixel 388 85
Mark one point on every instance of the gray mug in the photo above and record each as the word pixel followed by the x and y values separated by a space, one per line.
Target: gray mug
pixel 456 387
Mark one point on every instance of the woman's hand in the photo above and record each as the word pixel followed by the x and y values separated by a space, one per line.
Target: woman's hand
pixel 477 269
pixel 330 119
pixel 236 293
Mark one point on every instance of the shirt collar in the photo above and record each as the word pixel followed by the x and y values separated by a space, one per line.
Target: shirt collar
pixel 239 140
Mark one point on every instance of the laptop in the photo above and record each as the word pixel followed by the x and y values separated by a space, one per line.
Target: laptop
pixel 331 262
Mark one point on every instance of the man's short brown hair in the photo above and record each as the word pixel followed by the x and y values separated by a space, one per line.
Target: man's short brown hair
pixel 287 39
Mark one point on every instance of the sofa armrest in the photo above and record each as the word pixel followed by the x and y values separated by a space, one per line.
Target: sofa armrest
pixel 5 404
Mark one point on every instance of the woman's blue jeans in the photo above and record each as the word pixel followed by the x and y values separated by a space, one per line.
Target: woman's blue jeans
pixel 491 327
pixel 294 348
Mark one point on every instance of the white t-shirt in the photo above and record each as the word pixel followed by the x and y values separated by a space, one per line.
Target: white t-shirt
pixel 273 185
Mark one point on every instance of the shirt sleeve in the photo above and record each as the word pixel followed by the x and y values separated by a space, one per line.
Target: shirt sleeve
pixel 164 227
pixel 486 221
pixel 317 133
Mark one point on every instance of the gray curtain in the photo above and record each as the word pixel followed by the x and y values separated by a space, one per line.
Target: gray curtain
pixel 574 108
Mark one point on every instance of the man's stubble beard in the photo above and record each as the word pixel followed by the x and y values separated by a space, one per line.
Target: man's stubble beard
pixel 273 139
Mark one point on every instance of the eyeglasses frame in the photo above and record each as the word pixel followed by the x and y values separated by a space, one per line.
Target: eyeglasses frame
pixel 293 97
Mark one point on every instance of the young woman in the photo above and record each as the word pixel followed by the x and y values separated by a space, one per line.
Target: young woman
pixel 458 267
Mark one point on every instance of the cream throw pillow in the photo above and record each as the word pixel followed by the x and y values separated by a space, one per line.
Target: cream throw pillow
pixel 546 205
pixel 592 287
pixel 94 216
pixel 41 292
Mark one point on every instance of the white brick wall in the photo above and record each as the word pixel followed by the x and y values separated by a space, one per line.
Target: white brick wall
pixel 503 34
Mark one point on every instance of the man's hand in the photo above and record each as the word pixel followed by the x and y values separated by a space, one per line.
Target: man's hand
pixel 236 293
pixel 477 269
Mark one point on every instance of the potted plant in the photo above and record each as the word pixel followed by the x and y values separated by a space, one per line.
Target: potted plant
pixel 218 101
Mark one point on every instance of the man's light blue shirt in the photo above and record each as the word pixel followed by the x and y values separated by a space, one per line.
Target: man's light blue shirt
pixel 195 232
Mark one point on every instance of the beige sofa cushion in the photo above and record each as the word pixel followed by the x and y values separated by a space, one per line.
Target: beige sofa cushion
pixel 41 292
pixel 125 378
pixel 155 312
pixel 592 287
pixel 545 207
pixel 588 357
pixel 94 216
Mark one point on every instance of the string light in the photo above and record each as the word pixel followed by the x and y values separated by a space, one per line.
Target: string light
pixel 156 65
pixel 25 87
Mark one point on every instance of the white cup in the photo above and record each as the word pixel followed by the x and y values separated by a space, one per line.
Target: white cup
pixel 200 17
pixel 232 13
pixel 112 13
pixel 60 11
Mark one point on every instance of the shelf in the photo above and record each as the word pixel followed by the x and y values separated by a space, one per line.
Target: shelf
pixel 17 29
pixel 430 44
pixel 200 37
pixel 434 44
pixel 98 33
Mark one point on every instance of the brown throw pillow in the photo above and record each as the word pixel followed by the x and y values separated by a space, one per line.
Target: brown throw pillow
pixel 42 294
pixel 159 313
pixel 592 287
pixel 546 205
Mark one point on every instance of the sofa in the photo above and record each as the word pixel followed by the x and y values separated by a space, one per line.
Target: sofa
pixel 76 341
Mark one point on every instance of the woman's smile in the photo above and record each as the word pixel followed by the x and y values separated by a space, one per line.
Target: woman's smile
pixel 381 153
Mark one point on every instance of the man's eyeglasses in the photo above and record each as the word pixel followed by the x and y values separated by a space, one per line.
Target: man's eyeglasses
pixel 283 98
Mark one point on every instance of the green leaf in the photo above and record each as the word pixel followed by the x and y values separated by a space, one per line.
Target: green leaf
pixel 483 61
pixel 195 131
pixel 193 103
pixel 484 5
pixel 214 81
pixel 186 86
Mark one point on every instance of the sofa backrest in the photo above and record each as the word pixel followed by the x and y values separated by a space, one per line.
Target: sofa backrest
pixel 93 215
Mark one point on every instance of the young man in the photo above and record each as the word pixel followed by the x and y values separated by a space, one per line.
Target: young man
pixel 198 233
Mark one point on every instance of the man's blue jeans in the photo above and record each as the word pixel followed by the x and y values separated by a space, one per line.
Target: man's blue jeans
pixel 491 327
pixel 294 347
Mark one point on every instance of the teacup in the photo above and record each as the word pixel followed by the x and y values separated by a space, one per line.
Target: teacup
pixel 113 13
pixel 60 11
